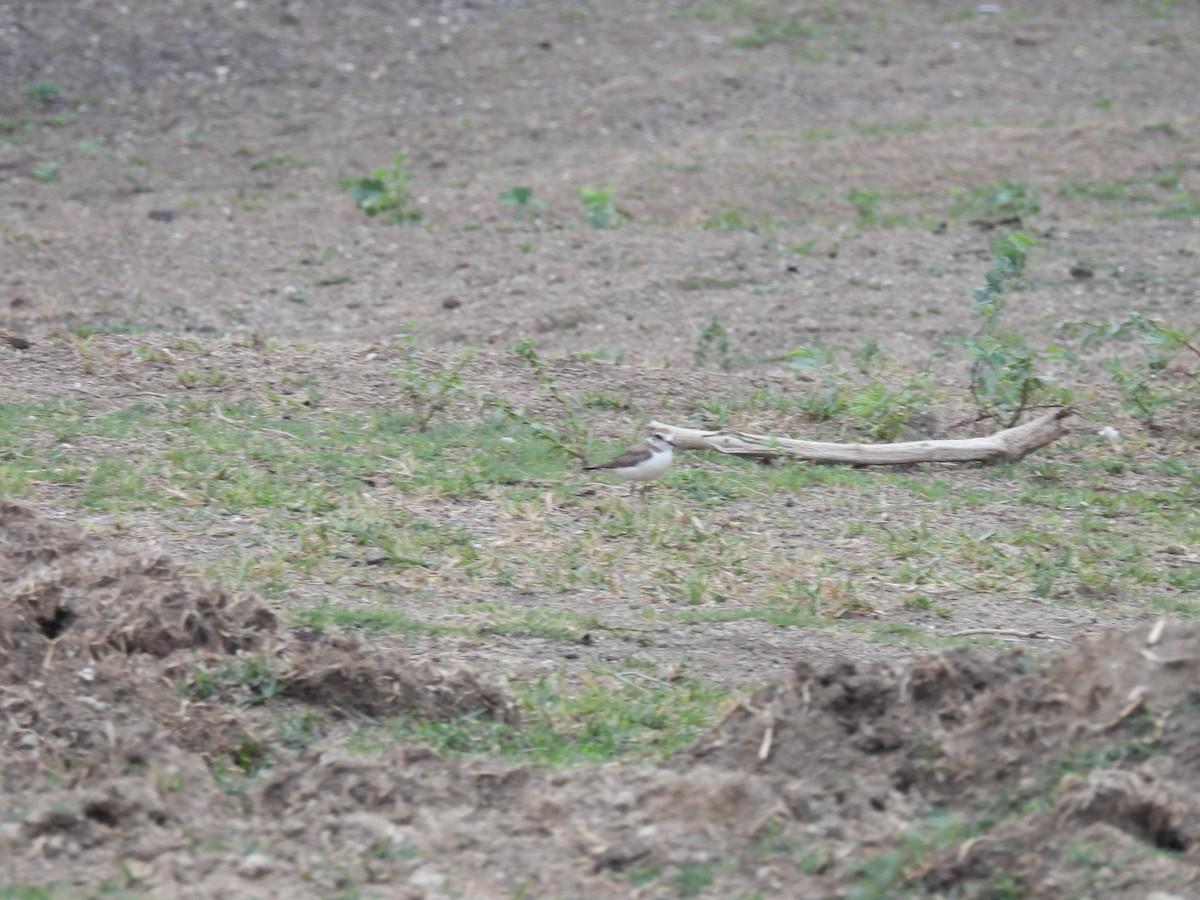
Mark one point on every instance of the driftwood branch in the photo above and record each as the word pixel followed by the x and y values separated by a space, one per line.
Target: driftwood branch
pixel 1010 444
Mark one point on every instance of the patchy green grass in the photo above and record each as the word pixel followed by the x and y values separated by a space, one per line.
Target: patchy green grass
pixel 1158 193
pixel 330 495
pixel 281 162
pixel 474 527
pixel 611 711
pixel 1002 200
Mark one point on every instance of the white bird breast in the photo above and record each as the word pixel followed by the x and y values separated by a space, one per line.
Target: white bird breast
pixel 650 469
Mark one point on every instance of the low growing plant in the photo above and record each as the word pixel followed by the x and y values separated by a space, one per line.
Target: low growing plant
pixel 884 409
pixel 713 345
pixel 570 435
pixel 46 172
pixel 44 92
pixel 1142 383
pixel 385 193
pixel 522 198
pixel 826 398
pixel 599 208
pixel 866 203
pixel 1009 200
pixel 250 681
pixel 1006 376
pixel 429 392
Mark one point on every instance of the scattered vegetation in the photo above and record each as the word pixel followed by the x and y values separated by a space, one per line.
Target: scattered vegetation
pixel 1007 376
pixel 738 219
pixel 881 406
pixel 599 209
pixel 250 681
pixel 430 389
pixel 635 710
pixel 44 92
pixel 570 434
pixel 866 202
pixel 1144 384
pixel 385 193
pixel 1007 201
pixel 138 173
pixel 446 513
pixel 713 346
pixel 45 172
pixel 313 486
pixel 808 38
pixel 280 162
pixel 523 201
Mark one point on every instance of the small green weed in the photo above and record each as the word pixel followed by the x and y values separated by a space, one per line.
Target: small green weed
pixel 693 878
pixel 1156 9
pixel 738 219
pixel 88 329
pixel 1006 200
pixel 883 409
pixel 866 203
pixel 826 398
pixel 299 731
pixel 1184 207
pixel 644 875
pixel 1143 384
pixel 599 209
pixel 1005 379
pixel 1140 392
pixel 879 129
pixel 770 30
pixel 35 892
pixel 385 193
pixel 885 875
pixel 280 162
pixel 46 172
pixel 429 392
pixel 138 173
pixel 611 714
pixel 708 283
pixel 570 435
pixel 771 27
pixel 522 199
pixel 12 127
pixel 375 619
pixel 610 354
pixel 713 346
pixel 251 681
pixel 44 92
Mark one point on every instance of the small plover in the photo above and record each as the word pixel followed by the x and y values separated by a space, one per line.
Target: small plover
pixel 641 462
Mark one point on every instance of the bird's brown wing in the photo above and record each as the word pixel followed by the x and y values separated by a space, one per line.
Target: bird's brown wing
pixel 627 459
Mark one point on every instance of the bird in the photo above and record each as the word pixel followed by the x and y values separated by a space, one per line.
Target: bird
pixel 644 461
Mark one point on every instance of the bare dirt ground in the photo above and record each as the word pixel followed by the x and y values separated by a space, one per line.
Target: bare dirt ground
pixel 182 181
